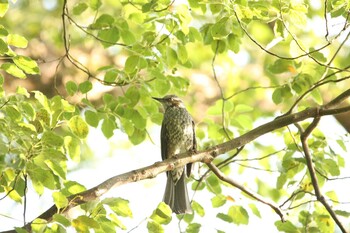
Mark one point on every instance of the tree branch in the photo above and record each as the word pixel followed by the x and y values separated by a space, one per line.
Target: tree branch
pixel 205 156
pixel 303 137
pixel 250 193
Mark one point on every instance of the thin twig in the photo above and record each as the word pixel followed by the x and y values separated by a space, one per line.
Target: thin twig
pixel 25 199
pixel 221 91
pixel 250 193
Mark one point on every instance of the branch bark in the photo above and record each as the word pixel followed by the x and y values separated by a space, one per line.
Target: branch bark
pixel 205 156
pixel 303 137
pixel 250 193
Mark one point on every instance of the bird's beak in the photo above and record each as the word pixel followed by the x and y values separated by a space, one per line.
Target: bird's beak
pixel 158 99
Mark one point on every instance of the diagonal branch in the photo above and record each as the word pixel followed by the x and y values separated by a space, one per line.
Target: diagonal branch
pixel 303 137
pixel 250 193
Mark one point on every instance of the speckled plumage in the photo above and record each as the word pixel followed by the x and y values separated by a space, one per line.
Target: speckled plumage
pixel 177 136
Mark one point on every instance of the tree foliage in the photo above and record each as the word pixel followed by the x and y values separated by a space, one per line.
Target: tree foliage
pixel 244 68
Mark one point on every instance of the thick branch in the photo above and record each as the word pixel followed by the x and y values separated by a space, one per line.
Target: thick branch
pixel 252 194
pixel 311 169
pixel 205 156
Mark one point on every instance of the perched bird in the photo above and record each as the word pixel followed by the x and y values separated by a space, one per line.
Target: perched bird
pixel 177 136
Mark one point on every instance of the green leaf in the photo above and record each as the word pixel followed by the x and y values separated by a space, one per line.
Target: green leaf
pixel 28 110
pixel 138 136
pixel 3 31
pixel 163 214
pixel 255 210
pixel 72 146
pixel 60 200
pixel 342 213
pixel 85 87
pixel 109 36
pixel 95 4
pixel 193 228
pixel 224 217
pixel 78 126
pixel 242 108
pixel 244 120
pixel 218 200
pixel 111 75
pixel 72 187
pixel 79 8
pixel 12 69
pixel 318 56
pixel 138 121
pixel 162 85
pixel 281 66
pixel 119 206
pixel 182 53
pixel 17 41
pixel 13 194
pixel 287 227
pixel 91 118
pixel 108 126
pixel 133 94
pixel 22 91
pixel 61 219
pixel 26 64
pixel 40 178
pixel 331 166
pixel 13 113
pixel 317 96
pixel 84 223
pixel 18 229
pixel 277 95
pixel 128 37
pixel 43 101
pixel 71 88
pixel 198 208
pixel 233 42
pixel 171 57
pixel 239 215
pixel 221 29
pixel 154 227
pixel 52 139
pixel 116 221
pixel 38 225
pixel 4 6
pixel 3 46
pixel 213 184
pixel 131 64
pixel 194 35
pixel 59 169
pixel 104 20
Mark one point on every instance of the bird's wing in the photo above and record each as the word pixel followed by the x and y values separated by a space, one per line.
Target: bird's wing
pixel 194 149
pixel 163 142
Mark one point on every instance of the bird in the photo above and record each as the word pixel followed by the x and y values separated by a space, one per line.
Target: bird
pixel 177 136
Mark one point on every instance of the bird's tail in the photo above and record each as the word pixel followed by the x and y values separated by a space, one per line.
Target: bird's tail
pixel 176 195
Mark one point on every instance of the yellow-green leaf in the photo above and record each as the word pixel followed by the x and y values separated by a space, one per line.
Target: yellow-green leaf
pixel 26 64
pixel 60 200
pixel 12 69
pixel 72 146
pixel 4 6
pixel 17 41
pixel 78 126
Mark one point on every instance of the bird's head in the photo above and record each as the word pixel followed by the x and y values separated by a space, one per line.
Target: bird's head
pixel 170 101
